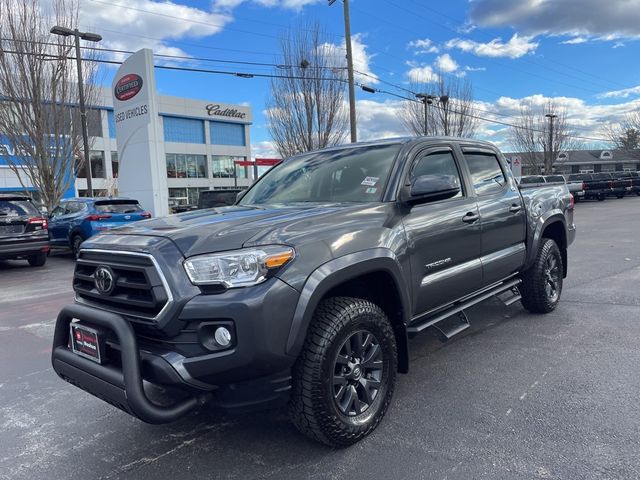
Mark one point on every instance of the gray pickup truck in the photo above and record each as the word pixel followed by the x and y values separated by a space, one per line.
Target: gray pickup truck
pixel 308 289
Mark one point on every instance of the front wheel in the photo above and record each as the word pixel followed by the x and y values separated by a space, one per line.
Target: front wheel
pixel 76 242
pixel 601 197
pixel 344 379
pixel 542 283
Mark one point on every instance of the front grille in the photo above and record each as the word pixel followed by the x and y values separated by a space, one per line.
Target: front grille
pixel 139 290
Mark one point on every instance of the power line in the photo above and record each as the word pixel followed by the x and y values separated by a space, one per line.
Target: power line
pixel 183 57
pixel 294 77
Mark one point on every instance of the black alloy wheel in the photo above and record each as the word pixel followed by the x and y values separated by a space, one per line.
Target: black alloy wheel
pixel 553 277
pixel 357 373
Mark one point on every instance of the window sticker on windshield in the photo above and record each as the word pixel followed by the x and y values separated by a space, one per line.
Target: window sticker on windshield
pixel 370 181
pixel 371 190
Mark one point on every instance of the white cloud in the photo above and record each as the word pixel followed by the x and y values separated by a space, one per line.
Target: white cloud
pixel 289 4
pixel 446 64
pixel 516 47
pixel 614 18
pixel 575 41
pixel 361 58
pixel 151 24
pixel 423 74
pixel 380 119
pixel 423 46
pixel 624 93
pixel 264 149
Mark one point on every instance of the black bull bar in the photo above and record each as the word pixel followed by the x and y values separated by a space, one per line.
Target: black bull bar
pixel 120 387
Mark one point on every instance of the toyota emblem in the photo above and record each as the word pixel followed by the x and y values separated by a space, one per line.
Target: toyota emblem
pixel 104 280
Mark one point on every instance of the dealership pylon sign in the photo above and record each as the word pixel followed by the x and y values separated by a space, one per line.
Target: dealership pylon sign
pixel 139 134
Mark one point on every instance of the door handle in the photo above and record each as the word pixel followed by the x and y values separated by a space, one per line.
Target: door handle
pixel 470 217
pixel 515 208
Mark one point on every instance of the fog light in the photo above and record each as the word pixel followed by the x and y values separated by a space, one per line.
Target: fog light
pixel 222 336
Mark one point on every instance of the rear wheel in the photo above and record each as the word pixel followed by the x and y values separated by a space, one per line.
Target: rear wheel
pixel 37 259
pixel 344 379
pixel 76 241
pixel 542 283
pixel 601 197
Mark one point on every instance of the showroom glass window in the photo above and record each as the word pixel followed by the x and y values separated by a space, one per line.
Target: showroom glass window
pixel 222 166
pixel 181 165
pixel 111 120
pixel 185 196
pixel 183 130
pixel 97 165
pixel 225 133
pixel 114 164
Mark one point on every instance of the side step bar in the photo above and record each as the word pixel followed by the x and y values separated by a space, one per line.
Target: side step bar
pixel 430 321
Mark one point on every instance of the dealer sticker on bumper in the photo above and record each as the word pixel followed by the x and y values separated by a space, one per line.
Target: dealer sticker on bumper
pixel 86 342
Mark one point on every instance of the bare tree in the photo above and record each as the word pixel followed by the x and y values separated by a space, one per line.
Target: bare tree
pixel 38 91
pixel 306 109
pixel 451 113
pixel 532 138
pixel 625 135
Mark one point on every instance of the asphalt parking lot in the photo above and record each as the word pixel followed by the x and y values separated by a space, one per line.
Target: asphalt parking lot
pixel 515 396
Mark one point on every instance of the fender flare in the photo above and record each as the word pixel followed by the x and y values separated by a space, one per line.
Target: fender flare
pixel 340 270
pixel 544 221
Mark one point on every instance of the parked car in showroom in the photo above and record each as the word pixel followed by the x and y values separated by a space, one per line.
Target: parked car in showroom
pixel 77 219
pixel 218 198
pixel 23 231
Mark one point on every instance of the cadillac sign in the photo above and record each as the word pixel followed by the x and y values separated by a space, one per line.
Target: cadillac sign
pixel 128 87
pixel 217 110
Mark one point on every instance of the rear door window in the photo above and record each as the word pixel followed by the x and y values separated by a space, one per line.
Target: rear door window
pixel 118 207
pixel 486 174
pixel 17 208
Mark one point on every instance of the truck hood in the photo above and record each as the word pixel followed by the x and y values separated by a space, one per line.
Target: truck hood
pixel 229 228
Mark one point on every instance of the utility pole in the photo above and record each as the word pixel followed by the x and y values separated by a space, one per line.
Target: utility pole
pixel 549 165
pixel 426 101
pixel 91 37
pixel 352 90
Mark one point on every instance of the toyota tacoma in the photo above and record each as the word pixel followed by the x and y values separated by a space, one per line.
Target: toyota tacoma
pixel 307 290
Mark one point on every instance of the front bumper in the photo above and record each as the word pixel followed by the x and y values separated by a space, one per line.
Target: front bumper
pixel 123 387
pixel 254 370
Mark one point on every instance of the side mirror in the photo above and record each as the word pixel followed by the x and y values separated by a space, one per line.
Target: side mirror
pixel 239 195
pixel 430 188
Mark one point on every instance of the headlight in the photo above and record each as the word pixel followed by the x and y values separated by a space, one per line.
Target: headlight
pixel 239 268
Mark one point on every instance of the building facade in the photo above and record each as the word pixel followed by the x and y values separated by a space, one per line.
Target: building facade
pixel 585 161
pixel 203 140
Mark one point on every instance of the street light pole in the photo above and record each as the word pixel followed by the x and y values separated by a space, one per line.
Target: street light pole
pixel 550 116
pixel 91 37
pixel 352 90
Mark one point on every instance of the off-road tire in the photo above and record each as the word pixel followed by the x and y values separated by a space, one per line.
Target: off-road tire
pixel 313 408
pixel 37 259
pixel 76 241
pixel 534 289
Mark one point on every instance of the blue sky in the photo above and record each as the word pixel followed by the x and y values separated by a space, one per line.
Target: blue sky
pixel 583 53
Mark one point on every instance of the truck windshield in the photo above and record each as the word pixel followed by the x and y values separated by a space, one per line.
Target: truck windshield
pixel 355 174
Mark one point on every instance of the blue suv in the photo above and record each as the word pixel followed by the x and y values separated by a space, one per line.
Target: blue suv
pixel 77 219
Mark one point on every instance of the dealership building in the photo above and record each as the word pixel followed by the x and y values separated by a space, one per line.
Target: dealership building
pixel 205 145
